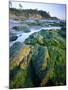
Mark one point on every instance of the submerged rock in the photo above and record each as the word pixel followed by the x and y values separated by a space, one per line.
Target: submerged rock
pixel 13 38
pixel 41 62
pixel 22 28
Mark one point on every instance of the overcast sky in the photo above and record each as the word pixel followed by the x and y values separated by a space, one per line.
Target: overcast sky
pixel 56 10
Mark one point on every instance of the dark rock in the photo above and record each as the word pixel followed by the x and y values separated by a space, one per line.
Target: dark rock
pixel 13 38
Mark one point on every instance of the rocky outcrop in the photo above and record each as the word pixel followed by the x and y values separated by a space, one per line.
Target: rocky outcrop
pixel 28 13
pixel 41 62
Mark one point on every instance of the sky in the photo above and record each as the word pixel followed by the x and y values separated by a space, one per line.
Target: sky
pixel 55 10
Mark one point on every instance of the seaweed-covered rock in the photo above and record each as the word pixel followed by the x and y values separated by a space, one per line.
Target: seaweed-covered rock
pixel 23 28
pixel 41 62
pixel 47 38
pixel 14 49
pixel 19 75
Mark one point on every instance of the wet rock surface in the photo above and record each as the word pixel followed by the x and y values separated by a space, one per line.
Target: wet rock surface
pixel 41 62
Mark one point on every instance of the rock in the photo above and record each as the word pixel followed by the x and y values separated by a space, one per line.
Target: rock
pixel 20 57
pixel 21 78
pixel 22 28
pixel 14 49
pixel 46 38
pixel 13 38
pixel 42 60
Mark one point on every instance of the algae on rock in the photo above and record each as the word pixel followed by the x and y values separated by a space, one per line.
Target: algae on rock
pixel 42 60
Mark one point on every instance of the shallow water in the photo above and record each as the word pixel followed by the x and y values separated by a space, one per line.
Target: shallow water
pixel 21 35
